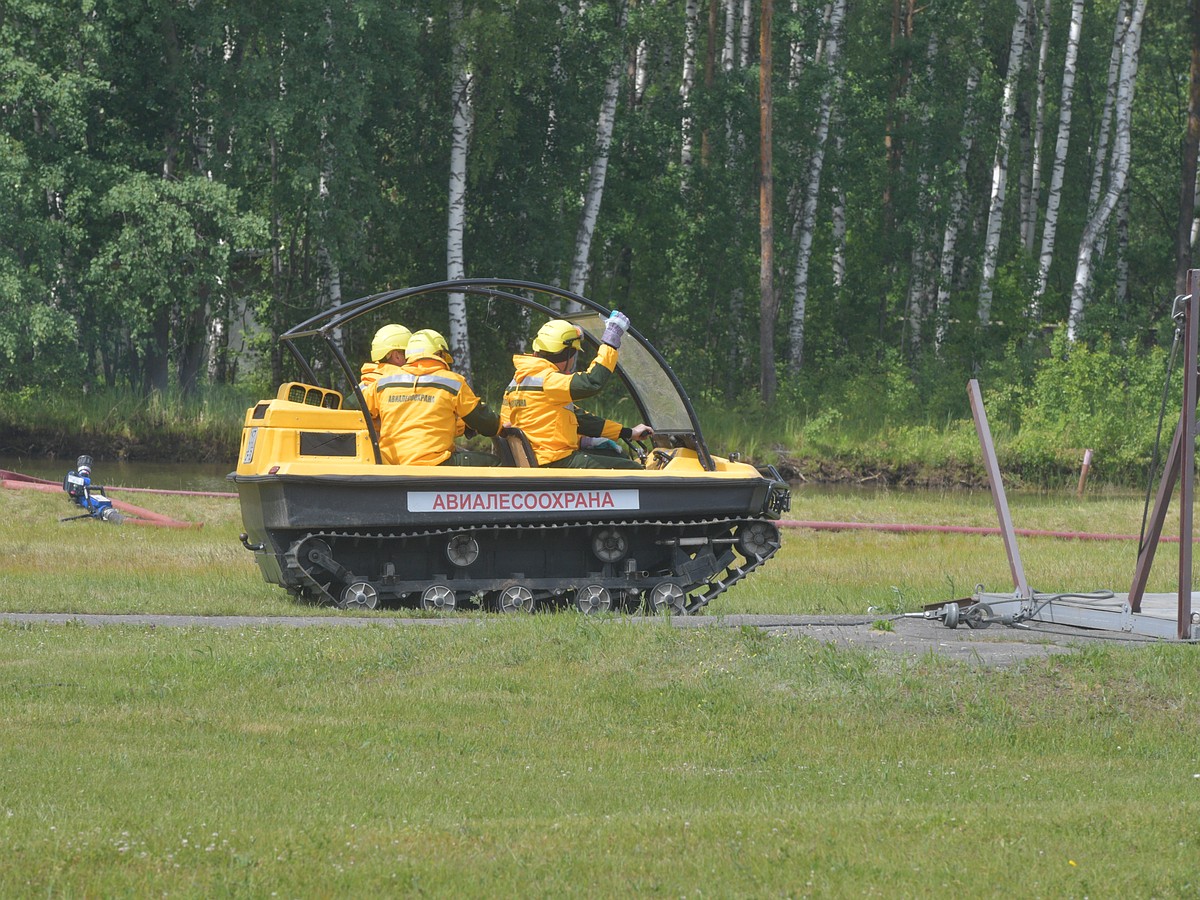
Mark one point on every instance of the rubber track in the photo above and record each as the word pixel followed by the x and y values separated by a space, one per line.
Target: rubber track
pixel 726 579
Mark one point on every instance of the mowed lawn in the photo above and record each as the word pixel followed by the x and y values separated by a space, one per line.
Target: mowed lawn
pixel 559 755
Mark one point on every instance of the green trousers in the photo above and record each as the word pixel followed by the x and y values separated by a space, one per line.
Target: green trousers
pixel 471 458
pixel 581 459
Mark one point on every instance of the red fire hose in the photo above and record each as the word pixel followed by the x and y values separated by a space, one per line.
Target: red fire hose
pixel 961 529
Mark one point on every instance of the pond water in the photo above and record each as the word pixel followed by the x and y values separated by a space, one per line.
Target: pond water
pixel 160 476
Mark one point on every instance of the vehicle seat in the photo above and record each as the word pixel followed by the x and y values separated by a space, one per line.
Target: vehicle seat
pixel 514 449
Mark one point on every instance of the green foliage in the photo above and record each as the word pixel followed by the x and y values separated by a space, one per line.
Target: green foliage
pixel 1102 398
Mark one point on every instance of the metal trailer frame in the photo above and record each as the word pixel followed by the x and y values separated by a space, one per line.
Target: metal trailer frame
pixel 1137 612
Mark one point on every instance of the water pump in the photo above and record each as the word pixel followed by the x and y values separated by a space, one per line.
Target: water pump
pixel 81 491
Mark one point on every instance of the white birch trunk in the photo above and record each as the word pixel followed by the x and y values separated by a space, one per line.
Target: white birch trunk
pixel 837 220
pixel 1196 214
pixel 809 214
pixel 954 218
pixel 1100 163
pixel 746 22
pixel 1123 249
pixel 1054 197
pixel 795 52
pixel 1029 214
pixel 729 51
pixel 1026 209
pixel 580 264
pixel 641 71
pixel 691 30
pixel 922 259
pixel 1120 169
pixel 461 125
pixel 797 190
pixel 991 247
pixel 1103 162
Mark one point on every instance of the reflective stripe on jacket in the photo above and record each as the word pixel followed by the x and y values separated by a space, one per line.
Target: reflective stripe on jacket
pixel 371 372
pixel 419 407
pixel 539 401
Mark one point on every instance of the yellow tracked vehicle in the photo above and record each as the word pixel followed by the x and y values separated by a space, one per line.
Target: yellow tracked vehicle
pixel 330 522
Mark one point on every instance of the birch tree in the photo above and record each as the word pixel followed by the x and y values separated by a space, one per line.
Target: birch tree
pixel 1130 46
pixel 1054 197
pixel 746 24
pixel 954 216
pixel 580 264
pixel 691 32
pixel 922 259
pixel 729 50
pixel 813 190
pixel 462 120
pixel 1029 213
pixel 837 222
pixel 1100 152
pixel 991 247
pixel 1195 235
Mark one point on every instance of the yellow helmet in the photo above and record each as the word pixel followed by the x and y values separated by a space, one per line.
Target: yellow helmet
pixel 387 339
pixel 428 344
pixel 556 336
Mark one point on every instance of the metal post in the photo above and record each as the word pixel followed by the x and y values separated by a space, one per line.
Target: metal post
pixel 1166 487
pixel 1187 456
pixel 1083 472
pixel 998 498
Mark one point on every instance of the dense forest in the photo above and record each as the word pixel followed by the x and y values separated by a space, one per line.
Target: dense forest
pixel 779 193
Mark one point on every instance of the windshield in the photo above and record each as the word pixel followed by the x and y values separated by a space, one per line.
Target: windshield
pixel 649 383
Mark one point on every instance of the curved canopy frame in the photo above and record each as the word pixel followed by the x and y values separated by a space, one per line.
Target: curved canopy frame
pixel 657 392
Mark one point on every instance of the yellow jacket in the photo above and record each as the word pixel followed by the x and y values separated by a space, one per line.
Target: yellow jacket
pixel 371 372
pixel 540 401
pixel 419 406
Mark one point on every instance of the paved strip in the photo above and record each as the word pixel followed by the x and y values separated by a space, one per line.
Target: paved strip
pixel 353 621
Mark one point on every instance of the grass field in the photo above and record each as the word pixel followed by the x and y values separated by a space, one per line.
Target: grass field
pixel 558 755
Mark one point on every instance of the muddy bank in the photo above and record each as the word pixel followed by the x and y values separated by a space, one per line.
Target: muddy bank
pixel 872 473
pixel 61 444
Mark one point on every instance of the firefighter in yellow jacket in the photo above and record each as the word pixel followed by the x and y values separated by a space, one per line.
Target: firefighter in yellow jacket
pixel 419 406
pixel 540 399
pixel 387 349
